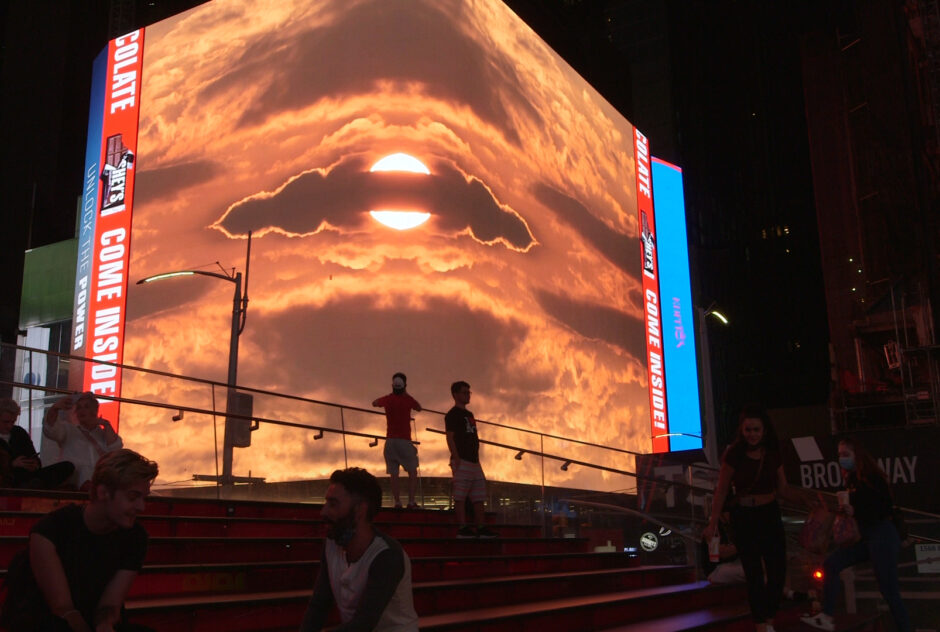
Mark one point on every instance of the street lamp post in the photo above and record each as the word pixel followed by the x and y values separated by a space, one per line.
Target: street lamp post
pixel 239 315
pixel 711 430
pixel 227 445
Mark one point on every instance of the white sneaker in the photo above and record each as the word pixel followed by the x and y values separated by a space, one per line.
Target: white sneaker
pixel 821 621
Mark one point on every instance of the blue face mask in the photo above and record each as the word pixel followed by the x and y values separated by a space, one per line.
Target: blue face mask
pixel 342 530
pixel 847 462
pixel 344 537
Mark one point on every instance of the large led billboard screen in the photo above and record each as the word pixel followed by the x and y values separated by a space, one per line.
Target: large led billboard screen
pixel 429 188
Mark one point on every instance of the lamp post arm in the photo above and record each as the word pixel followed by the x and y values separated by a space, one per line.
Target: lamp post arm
pixel 239 316
pixel 167 275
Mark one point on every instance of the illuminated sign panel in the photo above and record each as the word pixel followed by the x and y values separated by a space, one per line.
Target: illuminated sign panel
pixel 429 189
pixel 659 419
pixel 89 212
pixel 678 313
pixel 104 237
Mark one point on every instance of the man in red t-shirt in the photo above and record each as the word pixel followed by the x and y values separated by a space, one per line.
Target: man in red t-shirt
pixel 399 450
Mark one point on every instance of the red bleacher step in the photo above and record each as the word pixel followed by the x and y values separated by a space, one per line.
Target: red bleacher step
pixel 167 580
pixel 157 525
pixel 592 612
pixel 276 611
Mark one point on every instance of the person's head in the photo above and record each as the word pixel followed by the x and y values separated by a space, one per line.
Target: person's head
pixel 399 382
pixel 755 429
pixel 854 458
pixel 120 483
pixel 86 410
pixel 460 391
pixel 352 500
pixel 9 411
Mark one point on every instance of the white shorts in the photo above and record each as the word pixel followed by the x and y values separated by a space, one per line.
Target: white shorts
pixel 469 482
pixel 400 452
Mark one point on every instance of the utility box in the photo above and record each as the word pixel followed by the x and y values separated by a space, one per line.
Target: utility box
pixel 240 429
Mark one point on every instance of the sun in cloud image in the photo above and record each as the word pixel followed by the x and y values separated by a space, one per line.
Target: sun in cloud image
pixel 400 219
pixel 429 188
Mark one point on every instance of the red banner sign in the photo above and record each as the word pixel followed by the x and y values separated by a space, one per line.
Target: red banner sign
pixel 654 339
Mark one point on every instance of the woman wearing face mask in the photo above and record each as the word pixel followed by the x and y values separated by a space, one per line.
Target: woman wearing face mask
pixel 752 465
pixel 871 504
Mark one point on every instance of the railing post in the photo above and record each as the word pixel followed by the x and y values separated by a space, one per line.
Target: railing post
pixel 542 459
pixel 851 602
pixel 342 421
pixel 29 417
pixel 215 445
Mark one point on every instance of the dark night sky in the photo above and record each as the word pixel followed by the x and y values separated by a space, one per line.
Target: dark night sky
pixel 727 106
pixel 717 86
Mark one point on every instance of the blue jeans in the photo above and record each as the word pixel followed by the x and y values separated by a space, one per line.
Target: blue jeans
pixel 880 544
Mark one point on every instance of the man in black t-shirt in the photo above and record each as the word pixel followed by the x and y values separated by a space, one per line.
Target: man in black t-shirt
pixel 83 558
pixel 464 445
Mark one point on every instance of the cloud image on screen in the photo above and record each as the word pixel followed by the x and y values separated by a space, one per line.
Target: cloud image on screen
pixel 429 188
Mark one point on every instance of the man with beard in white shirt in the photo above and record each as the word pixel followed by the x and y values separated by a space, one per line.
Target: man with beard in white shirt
pixel 364 572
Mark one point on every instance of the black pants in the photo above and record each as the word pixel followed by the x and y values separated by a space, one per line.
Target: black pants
pixel 761 543
pixel 49 477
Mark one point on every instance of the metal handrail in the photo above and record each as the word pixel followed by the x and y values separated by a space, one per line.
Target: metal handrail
pixel 370 411
pixel 571 461
pixel 637 514
pixel 186 378
pixel 372 437
pixel 546 455
pixel 543 434
pixel 833 497
pixel 247 389
pixel 206 411
pixel 343 431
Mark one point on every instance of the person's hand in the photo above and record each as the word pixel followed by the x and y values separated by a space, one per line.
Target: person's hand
pixel 454 462
pixel 849 510
pixel 63 403
pixel 26 462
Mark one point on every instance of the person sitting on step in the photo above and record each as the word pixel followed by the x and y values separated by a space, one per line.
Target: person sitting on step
pixel 20 466
pixel 364 572
pixel 82 559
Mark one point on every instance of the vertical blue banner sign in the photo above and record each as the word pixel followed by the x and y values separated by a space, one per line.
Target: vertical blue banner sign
pixel 678 313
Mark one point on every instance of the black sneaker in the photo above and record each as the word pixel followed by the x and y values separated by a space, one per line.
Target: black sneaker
pixel 466 531
pixel 486 533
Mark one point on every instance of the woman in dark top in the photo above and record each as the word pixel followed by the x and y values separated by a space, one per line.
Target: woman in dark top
pixel 753 468
pixel 871 503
